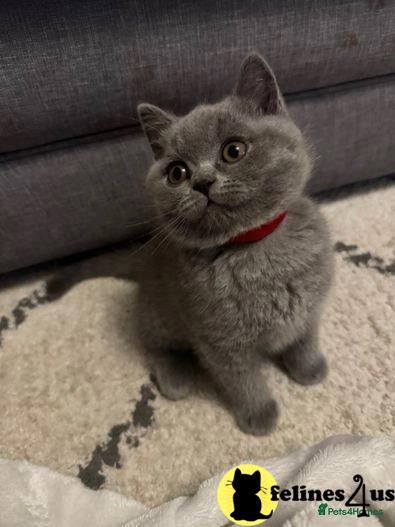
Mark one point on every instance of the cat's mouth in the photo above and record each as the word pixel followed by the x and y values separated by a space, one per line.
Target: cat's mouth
pixel 213 207
pixel 212 203
pixel 212 213
pixel 223 207
pixel 207 224
pixel 209 221
pixel 202 210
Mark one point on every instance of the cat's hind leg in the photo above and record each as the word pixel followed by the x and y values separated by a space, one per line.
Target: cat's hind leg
pixel 174 372
pixel 237 373
pixel 172 363
pixel 302 361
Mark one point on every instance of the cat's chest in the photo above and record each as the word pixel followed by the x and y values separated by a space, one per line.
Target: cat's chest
pixel 247 277
pixel 245 287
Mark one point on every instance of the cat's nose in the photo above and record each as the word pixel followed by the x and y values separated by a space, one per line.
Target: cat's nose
pixel 203 186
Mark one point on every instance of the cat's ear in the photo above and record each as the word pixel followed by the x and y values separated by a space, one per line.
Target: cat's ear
pixel 257 476
pixel 237 473
pixel 258 84
pixel 155 123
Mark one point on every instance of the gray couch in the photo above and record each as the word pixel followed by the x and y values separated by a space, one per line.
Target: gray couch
pixel 72 155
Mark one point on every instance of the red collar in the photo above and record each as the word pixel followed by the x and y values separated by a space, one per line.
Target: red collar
pixel 254 235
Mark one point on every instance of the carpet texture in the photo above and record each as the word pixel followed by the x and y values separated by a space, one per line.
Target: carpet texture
pixel 75 395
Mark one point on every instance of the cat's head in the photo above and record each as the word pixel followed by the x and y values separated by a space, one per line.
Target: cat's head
pixel 228 167
pixel 246 483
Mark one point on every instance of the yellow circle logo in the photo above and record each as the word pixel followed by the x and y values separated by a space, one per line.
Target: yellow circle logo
pixel 244 495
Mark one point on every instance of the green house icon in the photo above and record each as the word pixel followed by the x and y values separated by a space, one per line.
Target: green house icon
pixel 322 509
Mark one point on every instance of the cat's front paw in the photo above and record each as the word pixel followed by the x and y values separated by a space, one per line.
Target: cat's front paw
pixel 313 372
pixel 173 384
pixel 259 422
pixel 306 370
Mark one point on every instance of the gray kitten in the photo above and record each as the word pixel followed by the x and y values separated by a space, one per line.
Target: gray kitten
pixel 244 259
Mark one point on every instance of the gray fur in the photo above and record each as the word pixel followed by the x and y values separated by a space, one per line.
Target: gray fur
pixel 232 305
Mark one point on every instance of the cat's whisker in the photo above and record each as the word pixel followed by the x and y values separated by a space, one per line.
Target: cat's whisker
pixel 171 229
pixel 155 229
pixel 161 230
pixel 138 223
pixel 149 221
pixel 179 227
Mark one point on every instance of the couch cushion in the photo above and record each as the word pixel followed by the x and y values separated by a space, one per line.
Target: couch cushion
pixel 70 68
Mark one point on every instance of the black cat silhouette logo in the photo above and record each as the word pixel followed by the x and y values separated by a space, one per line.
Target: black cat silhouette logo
pixel 244 495
pixel 246 501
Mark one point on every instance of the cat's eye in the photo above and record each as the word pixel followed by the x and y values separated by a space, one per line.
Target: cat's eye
pixel 177 173
pixel 234 151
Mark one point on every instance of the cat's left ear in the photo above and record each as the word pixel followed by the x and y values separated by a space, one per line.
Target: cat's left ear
pixel 155 123
pixel 257 476
pixel 258 84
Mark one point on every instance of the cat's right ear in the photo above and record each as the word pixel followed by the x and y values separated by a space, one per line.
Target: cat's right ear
pixel 237 473
pixel 155 123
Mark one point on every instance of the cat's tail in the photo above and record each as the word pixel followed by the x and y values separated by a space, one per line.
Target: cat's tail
pixel 265 516
pixel 121 261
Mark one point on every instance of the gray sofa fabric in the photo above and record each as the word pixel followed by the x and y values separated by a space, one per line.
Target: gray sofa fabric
pixel 63 199
pixel 71 68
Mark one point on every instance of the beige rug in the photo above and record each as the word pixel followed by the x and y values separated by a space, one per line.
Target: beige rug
pixel 76 397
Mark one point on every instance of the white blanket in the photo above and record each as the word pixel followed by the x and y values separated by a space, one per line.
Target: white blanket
pixel 38 497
